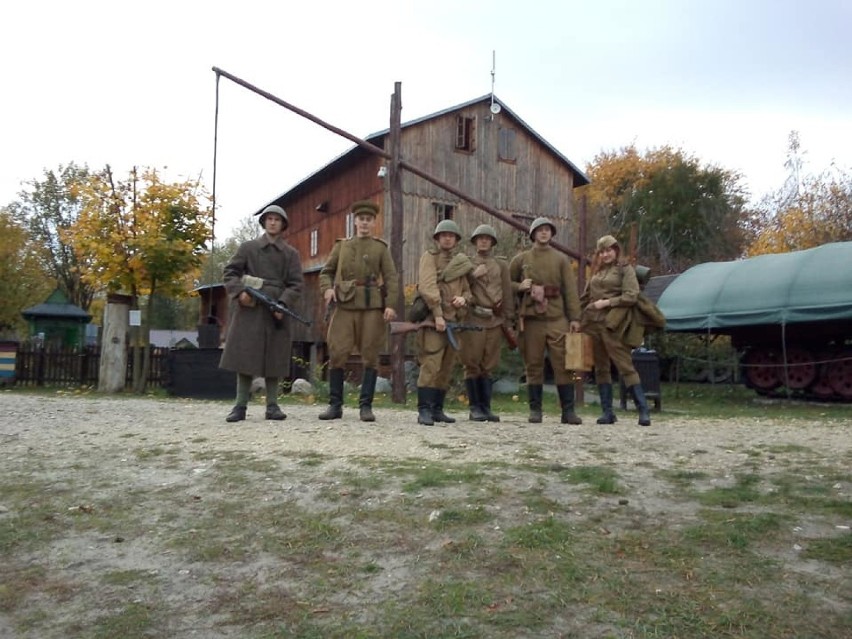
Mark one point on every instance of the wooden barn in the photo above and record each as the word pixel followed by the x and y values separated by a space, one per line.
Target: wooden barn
pixel 481 148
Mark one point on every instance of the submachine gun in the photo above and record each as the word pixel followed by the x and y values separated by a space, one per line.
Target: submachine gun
pixel 274 306
pixel 397 328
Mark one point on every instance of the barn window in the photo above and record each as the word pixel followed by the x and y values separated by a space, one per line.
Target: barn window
pixel 314 242
pixel 506 145
pixel 350 225
pixel 465 129
pixel 443 211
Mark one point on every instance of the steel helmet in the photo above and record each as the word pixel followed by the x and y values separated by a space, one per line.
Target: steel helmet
pixel 484 229
pixel 274 208
pixel 541 221
pixel 447 226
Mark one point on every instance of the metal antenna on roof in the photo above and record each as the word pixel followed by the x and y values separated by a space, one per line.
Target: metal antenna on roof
pixel 495 108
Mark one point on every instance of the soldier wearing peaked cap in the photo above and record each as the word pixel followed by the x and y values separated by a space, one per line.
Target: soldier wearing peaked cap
pixel 258 342
pixel 360 281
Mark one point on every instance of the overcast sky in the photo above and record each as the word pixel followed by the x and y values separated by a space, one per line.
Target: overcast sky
pixel 130 83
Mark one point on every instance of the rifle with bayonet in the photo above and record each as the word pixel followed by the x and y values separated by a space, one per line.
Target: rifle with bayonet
pixel 397 328
pixel 274 306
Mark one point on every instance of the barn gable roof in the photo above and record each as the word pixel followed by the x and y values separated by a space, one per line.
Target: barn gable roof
pixel 378 139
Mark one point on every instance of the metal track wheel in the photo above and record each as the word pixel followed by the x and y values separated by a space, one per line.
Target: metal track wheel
pixel 762 369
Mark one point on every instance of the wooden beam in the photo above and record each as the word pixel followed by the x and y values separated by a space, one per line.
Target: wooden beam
pixel 372 148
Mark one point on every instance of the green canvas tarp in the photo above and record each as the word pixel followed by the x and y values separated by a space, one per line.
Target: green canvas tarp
pixel 785 288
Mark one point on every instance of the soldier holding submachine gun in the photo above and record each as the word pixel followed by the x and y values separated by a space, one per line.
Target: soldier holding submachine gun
pixel 258 342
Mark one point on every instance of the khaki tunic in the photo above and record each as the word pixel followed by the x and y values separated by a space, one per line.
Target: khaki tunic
pixel 543 330
pixel 616 283
pixel 254 344
pixel 493 307
pixel 365 280
pixel 435 355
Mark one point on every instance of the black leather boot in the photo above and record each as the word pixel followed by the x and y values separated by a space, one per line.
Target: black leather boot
pixel 237 414
pixel 485 401
pixel 273 411
pixel 534 391
pixel 475 399
pixel 368 389
pixel 608 416
pixel 438 413
pixel 335 395
pixel 424 406
pixel 641 404
pixel 566 400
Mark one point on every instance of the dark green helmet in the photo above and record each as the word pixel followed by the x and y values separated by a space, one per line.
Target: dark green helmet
pixel 541 221
pixel 447 226
pixel 484 229
pixel 274 208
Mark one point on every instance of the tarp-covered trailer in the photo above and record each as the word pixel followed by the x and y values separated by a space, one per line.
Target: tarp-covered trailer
pixel 788 314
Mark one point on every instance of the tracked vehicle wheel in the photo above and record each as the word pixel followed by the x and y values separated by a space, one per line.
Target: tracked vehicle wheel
pixel 762 369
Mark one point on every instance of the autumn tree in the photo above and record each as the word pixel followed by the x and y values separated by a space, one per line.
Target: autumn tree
pixel 51 206
pixel 683 212
pixel 807 211
pixel 140 237
pixel 23 280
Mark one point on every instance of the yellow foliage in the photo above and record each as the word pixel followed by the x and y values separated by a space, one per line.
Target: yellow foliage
pixel 142 235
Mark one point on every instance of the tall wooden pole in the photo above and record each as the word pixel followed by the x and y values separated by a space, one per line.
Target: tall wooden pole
pixel 397 239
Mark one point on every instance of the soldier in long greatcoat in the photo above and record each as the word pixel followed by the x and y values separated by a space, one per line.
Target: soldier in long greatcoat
pixel 360 281
pixel 258 342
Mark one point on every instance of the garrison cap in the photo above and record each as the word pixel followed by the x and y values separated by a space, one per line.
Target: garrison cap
pixel 365 207
pixel 606 242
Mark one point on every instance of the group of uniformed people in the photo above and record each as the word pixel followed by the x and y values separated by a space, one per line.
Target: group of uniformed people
pixel 532 300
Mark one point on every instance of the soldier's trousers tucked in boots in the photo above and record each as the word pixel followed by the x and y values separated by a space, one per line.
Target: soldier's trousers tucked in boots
pixel 485 398
pixel 368 389
pixel 425 398
pixel 608 416
pixel 474 396
pixel 566 400
pixel 641 404
pixel 438 413
pixel 335 395
pixel 535 391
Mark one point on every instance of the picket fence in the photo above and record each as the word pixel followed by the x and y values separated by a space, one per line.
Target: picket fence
pixel 52 365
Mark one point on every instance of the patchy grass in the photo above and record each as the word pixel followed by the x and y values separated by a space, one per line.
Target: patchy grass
pixel 168 540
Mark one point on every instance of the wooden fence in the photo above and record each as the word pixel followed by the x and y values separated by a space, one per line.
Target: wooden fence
pixel 37 365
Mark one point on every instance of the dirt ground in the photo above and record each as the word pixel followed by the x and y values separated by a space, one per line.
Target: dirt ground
pixel 55 438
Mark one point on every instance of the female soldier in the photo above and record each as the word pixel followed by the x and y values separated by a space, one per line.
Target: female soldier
pixel 611 291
